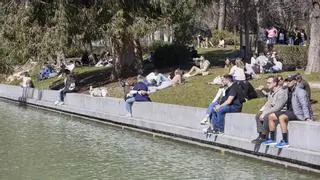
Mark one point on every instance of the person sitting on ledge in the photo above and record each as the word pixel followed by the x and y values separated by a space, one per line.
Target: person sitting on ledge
pixel 277 99
pixel 138 93
pixel 221 92
pixel 203 70
pixel 230 102
pixel 69 86
pixel 299 110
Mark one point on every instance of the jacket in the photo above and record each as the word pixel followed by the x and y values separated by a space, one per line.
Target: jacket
pixel 276 101
pixel 300 103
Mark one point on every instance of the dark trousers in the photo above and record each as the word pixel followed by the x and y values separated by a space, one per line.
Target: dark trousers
pixel 262 124
pixel 63 93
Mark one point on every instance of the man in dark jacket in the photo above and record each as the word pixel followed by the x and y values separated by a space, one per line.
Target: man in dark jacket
pixel 69 86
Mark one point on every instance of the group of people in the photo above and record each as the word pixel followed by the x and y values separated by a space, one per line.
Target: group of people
pixel 258 64
pixel 103 60
pixel 151 83
pixel 294 37
pixel 49 70
pixel 287 100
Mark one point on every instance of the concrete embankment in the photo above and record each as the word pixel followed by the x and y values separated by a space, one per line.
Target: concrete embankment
pixel 182 123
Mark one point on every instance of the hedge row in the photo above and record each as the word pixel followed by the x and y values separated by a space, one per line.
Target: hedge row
pixel 293 55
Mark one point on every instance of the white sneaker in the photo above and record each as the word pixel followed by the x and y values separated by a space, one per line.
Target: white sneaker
pixel 128 115
pixel 60 103
pixel 56 102
pixel 205 121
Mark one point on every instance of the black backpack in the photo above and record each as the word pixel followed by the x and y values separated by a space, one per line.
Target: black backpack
pixel 241 95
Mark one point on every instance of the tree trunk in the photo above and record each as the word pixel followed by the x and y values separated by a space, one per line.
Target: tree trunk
pixel 118 61
pixel 222 14
pixel 314 48
pixel 215 16
pixel 60 58
pixel 260 30
pixel 247 33
pixel 139 58
pixel 241 55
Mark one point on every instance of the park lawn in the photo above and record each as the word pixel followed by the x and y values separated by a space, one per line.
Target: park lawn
pixel 197 92
pixel 44 84
pixel 217 56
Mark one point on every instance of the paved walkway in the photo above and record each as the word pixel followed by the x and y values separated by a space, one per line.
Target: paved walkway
pixel 315 84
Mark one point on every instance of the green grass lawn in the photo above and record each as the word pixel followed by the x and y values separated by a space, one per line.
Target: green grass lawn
pixel 217 56
pixel 197 92
pixel 44 84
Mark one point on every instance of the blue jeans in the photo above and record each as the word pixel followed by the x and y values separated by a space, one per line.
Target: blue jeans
pixel 291 41
pixel 129 103
pixel 217 119
pixel 210 108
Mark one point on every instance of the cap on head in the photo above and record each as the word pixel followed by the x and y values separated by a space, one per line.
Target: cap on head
pixel 293 77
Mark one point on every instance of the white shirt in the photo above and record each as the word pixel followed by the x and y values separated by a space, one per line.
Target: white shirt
pixel 262 60
pixel 25 81
pixel 278 65
pixel 281 36
pixel 253 61
pixel 71 67
pixel 221 42
pixel 151 76
pixel 237 73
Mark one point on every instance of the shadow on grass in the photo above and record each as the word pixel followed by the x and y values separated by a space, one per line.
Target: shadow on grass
pixel 217 56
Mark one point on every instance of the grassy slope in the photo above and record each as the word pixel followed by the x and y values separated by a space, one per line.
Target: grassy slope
pixel 196 91
pixel 44 84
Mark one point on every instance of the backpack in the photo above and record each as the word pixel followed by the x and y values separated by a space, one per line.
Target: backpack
pixel 240 91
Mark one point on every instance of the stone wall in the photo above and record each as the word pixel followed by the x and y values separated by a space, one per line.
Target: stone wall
pixel 184 122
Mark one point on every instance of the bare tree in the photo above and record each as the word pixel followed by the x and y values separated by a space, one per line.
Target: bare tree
pixel 314 48
pixel 222 14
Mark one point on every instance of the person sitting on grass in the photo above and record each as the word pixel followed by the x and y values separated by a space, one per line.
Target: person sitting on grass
pixel 139 93
pixel 156 78
pixel 221 43
pixel 228 64
pixel 46 72
pixel 237 71
pixel 203 70
pixel 230 102
pixel 262 60
pixel 299 110
pixel 277 99
pixel 69 86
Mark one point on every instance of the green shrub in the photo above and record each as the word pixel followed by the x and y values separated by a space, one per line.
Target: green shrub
pixel 293 55
pixel 74 51
pixel 171 55
pixel 228 37
pixel 156 45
